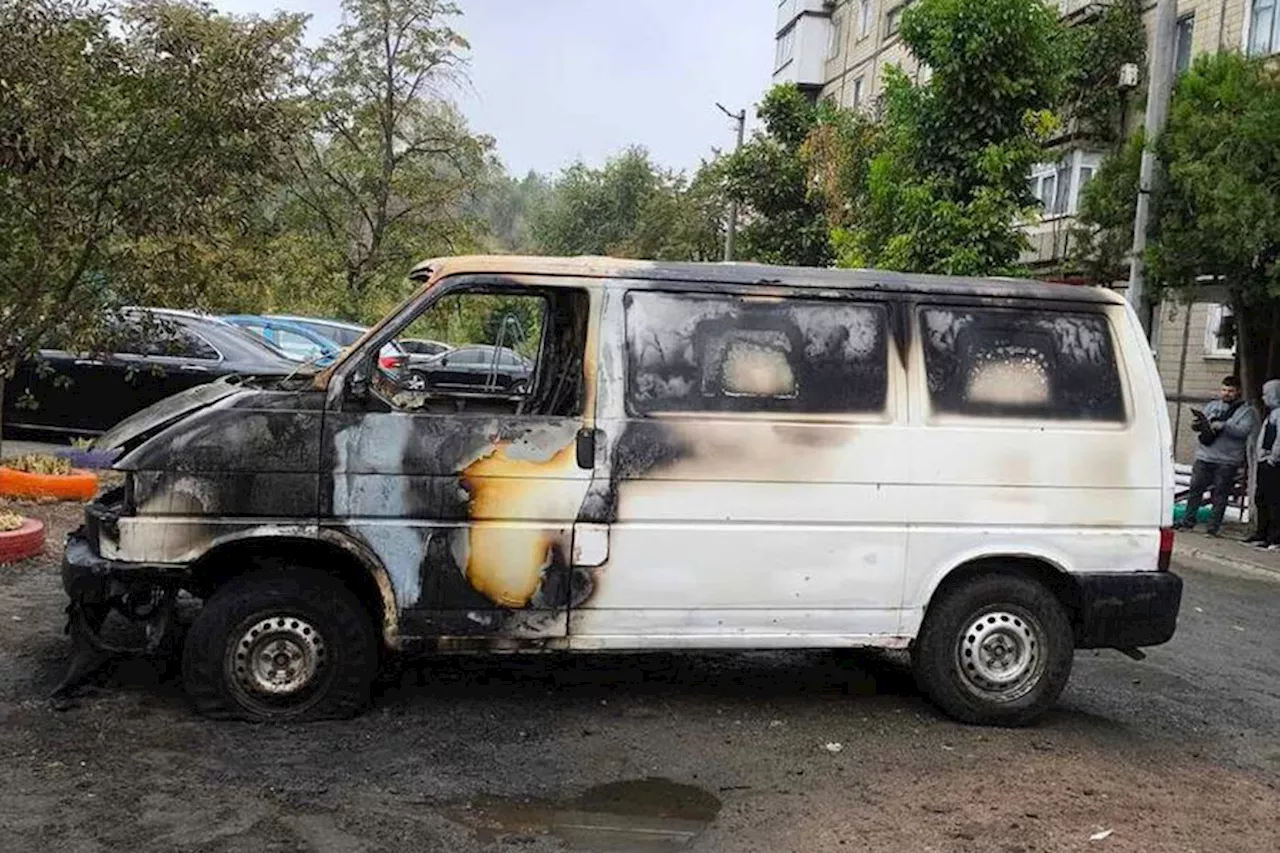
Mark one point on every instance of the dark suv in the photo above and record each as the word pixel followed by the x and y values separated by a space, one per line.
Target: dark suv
pixel 472 367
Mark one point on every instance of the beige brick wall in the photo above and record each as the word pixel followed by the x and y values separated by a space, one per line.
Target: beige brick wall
pixel 864 57
pixel 1233 24
pixel 1219 24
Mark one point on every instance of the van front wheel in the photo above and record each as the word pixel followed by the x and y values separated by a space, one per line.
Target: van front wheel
pixel 280 644
pixel 995 650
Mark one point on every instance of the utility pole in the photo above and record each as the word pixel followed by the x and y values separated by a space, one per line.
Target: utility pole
pixel 1159 91
pixel 731 231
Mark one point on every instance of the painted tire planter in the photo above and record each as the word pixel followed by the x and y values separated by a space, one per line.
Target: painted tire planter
pixel 76 486
pixel 26 541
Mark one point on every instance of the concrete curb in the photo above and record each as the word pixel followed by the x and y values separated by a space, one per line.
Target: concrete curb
pixel 1223 564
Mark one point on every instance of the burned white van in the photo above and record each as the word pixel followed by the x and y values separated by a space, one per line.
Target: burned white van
pixel 695 457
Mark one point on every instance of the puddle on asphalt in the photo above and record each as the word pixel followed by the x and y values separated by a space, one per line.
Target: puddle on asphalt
pixel 638 816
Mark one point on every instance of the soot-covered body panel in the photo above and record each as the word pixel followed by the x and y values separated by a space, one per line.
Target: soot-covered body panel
pixel 246 460
pixel 471 515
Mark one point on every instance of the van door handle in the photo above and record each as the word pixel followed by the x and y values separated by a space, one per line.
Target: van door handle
pixel 193 368
pixel 586 448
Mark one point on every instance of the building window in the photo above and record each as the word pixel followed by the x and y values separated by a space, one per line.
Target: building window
pixel 864 18
pixel 1057 186
pixel 1182 51
pixel 857 92
pixel 1062 196
pixel 786 47
pixel 1220 332
pixel 1086 175
pixel 893 21
pixel 1051 185
pixel 1264 27
pixel 837 35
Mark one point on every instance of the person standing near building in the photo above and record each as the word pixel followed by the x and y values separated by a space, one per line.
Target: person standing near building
pixel 1266 497
pixel 1224 429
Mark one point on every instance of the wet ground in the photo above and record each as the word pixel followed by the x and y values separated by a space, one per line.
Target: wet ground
pixel 768 752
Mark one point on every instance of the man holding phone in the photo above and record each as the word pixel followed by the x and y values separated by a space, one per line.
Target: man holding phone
pixel 1224 428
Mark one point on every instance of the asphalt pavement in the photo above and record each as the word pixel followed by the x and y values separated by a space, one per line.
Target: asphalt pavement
pixel 804 751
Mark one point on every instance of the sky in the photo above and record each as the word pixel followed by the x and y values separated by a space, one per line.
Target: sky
pixel 557 81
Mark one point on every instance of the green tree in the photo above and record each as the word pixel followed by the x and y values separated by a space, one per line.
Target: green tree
pixel 684 222
pixel 937 181
pixel 595 211
pixel 391 170
pixel 630 208
pixel 1216 215
pixel 1103 235
pixel 122 139
pixel 1094 101
pixel 504 205
pixel 782 222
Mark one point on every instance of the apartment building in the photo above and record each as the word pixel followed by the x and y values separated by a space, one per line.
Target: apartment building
pixel 839 49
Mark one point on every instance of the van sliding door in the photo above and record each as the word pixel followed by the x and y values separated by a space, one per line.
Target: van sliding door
pixel 754 473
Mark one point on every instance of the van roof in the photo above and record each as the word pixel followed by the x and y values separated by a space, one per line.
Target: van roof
pixel 760 274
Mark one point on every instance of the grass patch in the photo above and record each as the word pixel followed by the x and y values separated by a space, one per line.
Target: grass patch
pixel 39 463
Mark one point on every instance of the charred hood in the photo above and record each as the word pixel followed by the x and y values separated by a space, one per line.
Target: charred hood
pixel 205 416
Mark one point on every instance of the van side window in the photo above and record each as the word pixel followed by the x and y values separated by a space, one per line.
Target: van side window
pixel 726 353
pixel 517 352
pixel 992 362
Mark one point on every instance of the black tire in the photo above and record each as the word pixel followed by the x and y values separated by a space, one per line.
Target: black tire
pixel 1028 639
pixel 336 645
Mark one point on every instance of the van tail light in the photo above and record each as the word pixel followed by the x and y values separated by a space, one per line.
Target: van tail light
pixel 391 362
pixel 1166 549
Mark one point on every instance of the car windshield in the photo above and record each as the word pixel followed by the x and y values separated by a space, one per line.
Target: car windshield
pixel 255 342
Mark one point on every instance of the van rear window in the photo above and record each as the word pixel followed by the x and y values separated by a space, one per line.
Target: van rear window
pixel 725 353
pixel 1008 363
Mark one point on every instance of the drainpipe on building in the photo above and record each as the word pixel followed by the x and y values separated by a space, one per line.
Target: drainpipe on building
pixel 1159 91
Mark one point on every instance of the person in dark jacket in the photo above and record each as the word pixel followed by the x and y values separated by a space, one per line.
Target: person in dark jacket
pixel 1266 497
pixel 1224 428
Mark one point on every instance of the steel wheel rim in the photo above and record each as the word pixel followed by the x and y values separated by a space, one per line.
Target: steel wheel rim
pixel 415 382
pixel 277 659
pixel 1000 653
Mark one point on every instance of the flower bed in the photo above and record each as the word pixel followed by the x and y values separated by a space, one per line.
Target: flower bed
pixel 46 477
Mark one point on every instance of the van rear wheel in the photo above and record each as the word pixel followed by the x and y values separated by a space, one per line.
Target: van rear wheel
pixel 995 650
pixel 280 644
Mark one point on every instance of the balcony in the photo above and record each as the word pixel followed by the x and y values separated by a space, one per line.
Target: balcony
pixel 789 10
pixel 803 44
